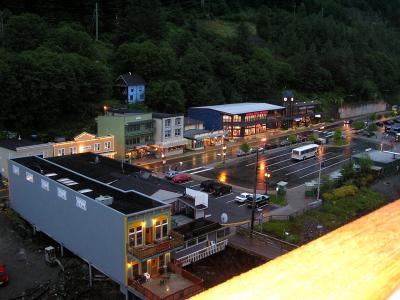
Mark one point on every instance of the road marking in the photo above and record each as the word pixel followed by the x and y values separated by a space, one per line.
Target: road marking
pixel 279 162
pixel 325 167
pixel 223 196
pixel 242 204
pixel 207 216
pixel 302 161
pixel 193 169
pixel 201 171
pixel 313 165
pixel 190 181
pixel 192 186
pixel 230 201
pixel 268 158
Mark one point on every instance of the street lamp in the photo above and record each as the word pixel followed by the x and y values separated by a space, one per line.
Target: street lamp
pixel 267 177
pixel 224 152
pixel 276 195
pixel 319 156
pixel 253 202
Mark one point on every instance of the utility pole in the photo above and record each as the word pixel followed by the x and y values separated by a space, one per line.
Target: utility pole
pixel 97 22
pixel 319 176
pixel 253 206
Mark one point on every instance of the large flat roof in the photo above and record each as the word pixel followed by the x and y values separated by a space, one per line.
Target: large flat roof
pixel 380 156
pixel 13 144
pixel 242 108
pixel 124 202
pixel 110 171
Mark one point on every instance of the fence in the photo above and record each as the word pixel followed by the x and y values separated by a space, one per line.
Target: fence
pixel 203 253
pixel 270 240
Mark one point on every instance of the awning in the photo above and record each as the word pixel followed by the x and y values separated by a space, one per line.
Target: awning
pixel 169 144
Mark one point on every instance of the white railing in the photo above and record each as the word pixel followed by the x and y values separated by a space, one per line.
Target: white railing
pixel 203 253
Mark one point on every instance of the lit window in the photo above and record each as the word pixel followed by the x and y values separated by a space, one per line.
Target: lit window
pixel 136 236
pixel 72 150
pixel 62 193
pixel 161 229
pixel 29 177
pixel 15 170
pixel 107 145
pixel 44 184
pixel 97 147
pixel 61 152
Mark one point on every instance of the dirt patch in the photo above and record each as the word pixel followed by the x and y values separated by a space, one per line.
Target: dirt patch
pixel 224 265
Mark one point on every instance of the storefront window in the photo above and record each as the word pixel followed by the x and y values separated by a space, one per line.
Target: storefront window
pixel 226 119
pixel 236 131
pixel 237 118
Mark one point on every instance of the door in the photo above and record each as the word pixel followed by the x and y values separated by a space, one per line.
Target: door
pixel 154 266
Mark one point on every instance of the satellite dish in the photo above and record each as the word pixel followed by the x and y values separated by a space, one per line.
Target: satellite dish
pixel 224 218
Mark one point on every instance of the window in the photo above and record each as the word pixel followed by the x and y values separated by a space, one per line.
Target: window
pixel 161 229
pixel 72 150
pixel 80 203
pixel 62 193
pixel 132 140
pixel 237 118
pixel 29 177
pixel 136 236
pixel 107 145
pixel 202 238
pixel 148 125
pixel 167 123
pixel 178 121
pixel 97 147
pixel 167 133
pixel 131 90
pixel 135 127
pixel 178 132
pixel 226 119
pixel 44 184
pixel 61 152
pixel 147 138
pixel 15 170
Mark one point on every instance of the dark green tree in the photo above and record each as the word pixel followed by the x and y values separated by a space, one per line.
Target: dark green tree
pixel 166 96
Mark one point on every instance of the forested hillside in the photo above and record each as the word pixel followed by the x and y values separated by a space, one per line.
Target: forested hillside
pixel 55 77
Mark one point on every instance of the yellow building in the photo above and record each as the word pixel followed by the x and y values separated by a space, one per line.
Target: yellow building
pixel 86 142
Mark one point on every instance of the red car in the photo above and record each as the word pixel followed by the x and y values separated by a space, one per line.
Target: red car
pixel 3 274
pixel 181 177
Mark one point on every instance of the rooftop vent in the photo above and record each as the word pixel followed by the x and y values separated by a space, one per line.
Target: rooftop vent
pixel 106 200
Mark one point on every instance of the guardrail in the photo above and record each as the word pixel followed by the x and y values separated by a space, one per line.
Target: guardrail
pixel 203 253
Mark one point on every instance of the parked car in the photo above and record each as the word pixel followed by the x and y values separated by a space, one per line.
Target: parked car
pixel 181 177
pixel 215 187
pixel 397 120
pixel 270 146
pixel 285 143
pixel 242 153
pixel 348 122
pixel 207 185
pixel 3 274
pixel 261 200
pixel 367 133
pixel 171 174
pixel 388 128
pixel 221 189
pixel 254 150
pixel 242 198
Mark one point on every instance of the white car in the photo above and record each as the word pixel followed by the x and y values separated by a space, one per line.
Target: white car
pixel 242 198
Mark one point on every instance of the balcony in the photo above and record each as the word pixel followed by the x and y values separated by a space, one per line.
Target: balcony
pixel 141 252
pixel 175 284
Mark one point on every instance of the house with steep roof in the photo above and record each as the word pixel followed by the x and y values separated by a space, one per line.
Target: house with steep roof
pixel 130 87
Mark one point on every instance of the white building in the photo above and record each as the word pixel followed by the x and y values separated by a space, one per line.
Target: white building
pixel 17 147
pixel 168 134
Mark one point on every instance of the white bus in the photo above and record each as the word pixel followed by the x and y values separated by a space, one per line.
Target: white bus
pixel 304 152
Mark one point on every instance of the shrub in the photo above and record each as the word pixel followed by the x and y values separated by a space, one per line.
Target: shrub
pixel 372 116
pixel 245 147
pixel 358 125
pixel 312 137
pixel 292 138
pixel 372 127
pixel 340 193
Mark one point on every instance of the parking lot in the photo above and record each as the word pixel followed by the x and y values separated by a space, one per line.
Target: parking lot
pixel 226 204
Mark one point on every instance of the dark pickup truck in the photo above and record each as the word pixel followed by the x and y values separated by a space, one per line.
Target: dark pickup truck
pixel 215 187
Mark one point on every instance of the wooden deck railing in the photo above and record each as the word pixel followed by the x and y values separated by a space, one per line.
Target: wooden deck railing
pixel 175 240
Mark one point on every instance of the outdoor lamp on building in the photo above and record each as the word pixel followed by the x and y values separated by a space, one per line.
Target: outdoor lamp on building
pixel 105 108
pixel 267 176
pixel 285 99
